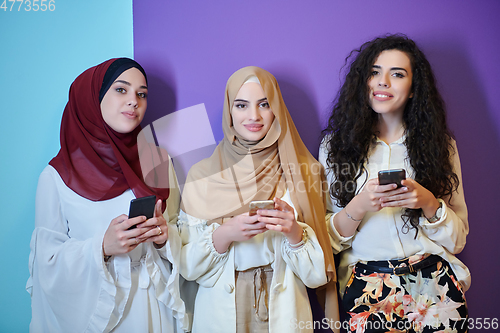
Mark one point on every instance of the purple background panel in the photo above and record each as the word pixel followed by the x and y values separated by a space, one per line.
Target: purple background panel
pixel 174 132
pixel 190 48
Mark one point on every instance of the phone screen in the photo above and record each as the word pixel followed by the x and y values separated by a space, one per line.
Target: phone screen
pixel 394 176
pixel 142 207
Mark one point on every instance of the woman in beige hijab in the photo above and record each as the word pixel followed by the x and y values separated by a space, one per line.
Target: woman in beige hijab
pixel 253 271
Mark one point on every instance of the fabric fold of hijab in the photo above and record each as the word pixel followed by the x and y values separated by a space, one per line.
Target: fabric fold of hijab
pixel 240 171
pixel 95 161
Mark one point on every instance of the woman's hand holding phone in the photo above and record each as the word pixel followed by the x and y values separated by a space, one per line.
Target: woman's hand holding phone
pixel 156 229
pixel 412 195
pixel 237 229
pixel 282 219
pixel 119 237
pixel 124 234
pixel 368 200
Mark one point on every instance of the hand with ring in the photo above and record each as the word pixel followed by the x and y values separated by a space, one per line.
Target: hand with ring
pixel 157 230
pixel 119 238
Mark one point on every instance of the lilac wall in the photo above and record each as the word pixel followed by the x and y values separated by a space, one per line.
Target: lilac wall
pixel 190 48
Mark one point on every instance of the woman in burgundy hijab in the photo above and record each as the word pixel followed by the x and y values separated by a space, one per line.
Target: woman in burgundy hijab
pixel 89 270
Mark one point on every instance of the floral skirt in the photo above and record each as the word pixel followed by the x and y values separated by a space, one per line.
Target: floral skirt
pixel 427 300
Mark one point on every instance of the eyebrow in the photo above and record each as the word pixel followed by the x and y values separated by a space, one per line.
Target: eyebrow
pixel 128 83
pixel 392 68
pixel 244 100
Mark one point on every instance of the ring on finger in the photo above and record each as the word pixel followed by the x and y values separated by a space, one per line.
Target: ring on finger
pixel 159 230
pixel 136 241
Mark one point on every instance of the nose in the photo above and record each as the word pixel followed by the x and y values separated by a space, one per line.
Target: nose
pixel 254 112
pixel 383 81
pixel 133 102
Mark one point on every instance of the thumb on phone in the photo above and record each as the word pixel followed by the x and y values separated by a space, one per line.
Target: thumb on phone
pixel 158 209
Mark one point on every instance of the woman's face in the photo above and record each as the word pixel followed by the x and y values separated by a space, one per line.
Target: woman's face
pixel 390 82
pixel 124 104
pixel 251 113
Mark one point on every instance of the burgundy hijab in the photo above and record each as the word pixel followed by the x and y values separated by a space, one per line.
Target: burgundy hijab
pixel 95 161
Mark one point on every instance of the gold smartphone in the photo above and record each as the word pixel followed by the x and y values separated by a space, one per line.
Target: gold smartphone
pixel 260 204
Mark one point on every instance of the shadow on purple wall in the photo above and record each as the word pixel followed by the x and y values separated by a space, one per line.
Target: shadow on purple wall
pixel 474 128
pixel 161 99
pixel 303 111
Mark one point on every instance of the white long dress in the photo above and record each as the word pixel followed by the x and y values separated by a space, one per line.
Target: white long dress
pixel 73 290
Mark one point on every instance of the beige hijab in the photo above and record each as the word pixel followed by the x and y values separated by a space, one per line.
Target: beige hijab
pixel 240 171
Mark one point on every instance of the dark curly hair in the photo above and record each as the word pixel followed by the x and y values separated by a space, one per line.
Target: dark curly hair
pixel 351 127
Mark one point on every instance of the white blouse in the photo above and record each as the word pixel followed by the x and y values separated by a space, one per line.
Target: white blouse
pixel 73 290
pixel 380 237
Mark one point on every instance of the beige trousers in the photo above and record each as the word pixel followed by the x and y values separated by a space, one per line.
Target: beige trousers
pixel 252 299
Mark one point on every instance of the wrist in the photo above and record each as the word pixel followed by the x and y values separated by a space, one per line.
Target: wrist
pixel 354 211
pixel 300 243
pixel 220 239
pixel 438 213
pixel 105 256
pixel 296 235
pixel 159 246
pixel 431 209
pixel 104 251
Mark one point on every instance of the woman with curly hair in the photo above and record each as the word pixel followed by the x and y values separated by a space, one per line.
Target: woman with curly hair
pixel 396 243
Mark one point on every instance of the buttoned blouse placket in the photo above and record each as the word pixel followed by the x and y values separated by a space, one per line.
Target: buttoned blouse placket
pixel 388 159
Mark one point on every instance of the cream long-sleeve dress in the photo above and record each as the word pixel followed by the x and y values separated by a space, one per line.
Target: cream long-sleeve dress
pixel 73 290
pixel 293 270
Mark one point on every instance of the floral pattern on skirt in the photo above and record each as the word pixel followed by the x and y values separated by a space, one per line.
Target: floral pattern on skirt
pixel 429 300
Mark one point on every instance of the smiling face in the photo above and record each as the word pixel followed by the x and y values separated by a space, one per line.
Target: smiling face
pixel 124 104
pixel 390 82
pixel 251 113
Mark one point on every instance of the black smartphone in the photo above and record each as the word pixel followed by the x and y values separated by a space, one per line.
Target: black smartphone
pixel 394 176
pixel 144 206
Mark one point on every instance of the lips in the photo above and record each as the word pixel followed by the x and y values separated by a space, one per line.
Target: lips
pixel 253 127
pixel 129 114
pixel 382 95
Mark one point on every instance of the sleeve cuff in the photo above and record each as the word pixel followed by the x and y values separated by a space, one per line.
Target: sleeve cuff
pixel 99 259
pixel 426 224
pixel 209 239
pixel 299 245
pixel 333 231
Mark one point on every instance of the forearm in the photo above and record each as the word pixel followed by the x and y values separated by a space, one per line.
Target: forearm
pixel 348 219
pixel 221 239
